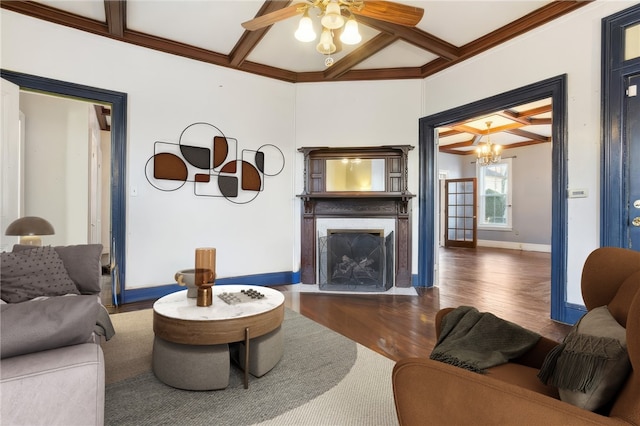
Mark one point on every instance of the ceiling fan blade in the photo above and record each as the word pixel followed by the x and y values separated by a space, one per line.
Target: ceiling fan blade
pixel 272 17
pixel 389 11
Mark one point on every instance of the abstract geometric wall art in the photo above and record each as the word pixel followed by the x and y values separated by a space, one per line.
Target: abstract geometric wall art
pixel 210 162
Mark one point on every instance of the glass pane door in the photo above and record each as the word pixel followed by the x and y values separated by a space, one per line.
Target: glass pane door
pixel 460 213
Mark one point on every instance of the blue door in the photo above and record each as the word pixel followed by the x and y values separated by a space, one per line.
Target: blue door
pixel 633 166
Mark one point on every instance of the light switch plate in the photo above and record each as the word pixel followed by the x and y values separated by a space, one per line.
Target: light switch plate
pixel 578 193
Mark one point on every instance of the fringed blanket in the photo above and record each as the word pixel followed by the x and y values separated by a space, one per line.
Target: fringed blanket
pixel 476 341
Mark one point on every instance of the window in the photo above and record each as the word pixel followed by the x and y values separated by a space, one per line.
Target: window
pixel 494 195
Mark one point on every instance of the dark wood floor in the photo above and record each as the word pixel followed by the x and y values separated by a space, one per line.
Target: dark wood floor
pixel 514 285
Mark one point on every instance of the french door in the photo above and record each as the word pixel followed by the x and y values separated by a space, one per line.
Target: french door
pixel 460 213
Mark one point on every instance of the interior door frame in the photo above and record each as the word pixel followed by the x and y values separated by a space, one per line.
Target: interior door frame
pixel 615 164
pixel 556 89
pixel 118 101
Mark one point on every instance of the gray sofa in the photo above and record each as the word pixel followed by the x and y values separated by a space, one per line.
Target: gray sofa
pixel 51 325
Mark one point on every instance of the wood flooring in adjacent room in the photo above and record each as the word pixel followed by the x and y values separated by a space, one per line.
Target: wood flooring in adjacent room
pixel 512 284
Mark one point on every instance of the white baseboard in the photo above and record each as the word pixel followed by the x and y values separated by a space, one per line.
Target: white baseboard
pixel 545 248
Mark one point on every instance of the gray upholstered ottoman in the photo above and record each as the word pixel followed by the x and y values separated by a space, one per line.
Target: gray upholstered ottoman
pixel 264 352
pixel 191 367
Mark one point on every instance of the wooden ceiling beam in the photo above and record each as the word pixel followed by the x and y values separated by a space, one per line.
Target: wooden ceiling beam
pixel 116 15
pixel 368 49
pixel 529 135
pixel 101 115
pixel 448 54
pixel 515 116
pixel 540 121
pixel 528 22
pixel 250 39
pixel 416 37
pixel 538 17
pixel 57 16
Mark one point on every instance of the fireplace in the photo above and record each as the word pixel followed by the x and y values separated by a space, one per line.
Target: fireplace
pixel 343 196
pixel 355 260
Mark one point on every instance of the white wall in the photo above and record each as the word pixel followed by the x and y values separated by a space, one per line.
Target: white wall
pixel 166 94
pixel 569 45
pixel 56 170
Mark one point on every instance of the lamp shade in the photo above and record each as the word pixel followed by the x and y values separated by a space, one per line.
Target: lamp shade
pixel 305 31
pixel 29 225
pixel 332 18
pixel 350 35
pixel 326 45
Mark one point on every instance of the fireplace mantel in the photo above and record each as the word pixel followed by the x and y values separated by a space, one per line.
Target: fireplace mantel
pixel 393 202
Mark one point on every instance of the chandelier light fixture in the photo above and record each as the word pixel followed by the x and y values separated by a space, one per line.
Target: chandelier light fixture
pixel 332 20
pixel 488 153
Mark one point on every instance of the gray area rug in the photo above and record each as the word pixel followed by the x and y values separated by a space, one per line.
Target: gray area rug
pixel 323 378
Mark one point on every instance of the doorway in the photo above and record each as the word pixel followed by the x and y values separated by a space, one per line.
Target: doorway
pixel 118 102
pixel 620 184
pixel 555 88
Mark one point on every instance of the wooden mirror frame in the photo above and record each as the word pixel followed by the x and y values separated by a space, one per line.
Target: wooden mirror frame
pixel 396 173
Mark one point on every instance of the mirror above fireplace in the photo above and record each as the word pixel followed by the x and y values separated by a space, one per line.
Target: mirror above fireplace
pixel 346 171
pixel 355 174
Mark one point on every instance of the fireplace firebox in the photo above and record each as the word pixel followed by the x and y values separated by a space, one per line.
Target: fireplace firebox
pixel 356 260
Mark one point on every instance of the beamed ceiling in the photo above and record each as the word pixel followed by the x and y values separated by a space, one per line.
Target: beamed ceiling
pixel 210 31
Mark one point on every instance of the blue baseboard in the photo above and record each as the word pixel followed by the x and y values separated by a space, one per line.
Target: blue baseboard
pixel 151 293
pixel 572 313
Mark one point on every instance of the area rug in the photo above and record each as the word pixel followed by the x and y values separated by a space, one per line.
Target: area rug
pixel 322 379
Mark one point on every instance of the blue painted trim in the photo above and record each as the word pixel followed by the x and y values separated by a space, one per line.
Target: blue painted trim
pixel 427 204
pixel 614 203
pixel 556 88
pixel 270 279
pixel 414 281
pixel 573 313
pixel 118 101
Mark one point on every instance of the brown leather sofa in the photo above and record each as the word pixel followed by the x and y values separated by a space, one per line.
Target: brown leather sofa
pixel 431 392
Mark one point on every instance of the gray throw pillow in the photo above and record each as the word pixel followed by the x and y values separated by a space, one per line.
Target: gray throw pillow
pixel 32 273
pixel 39 325
pixel 82 262
pixel 592 363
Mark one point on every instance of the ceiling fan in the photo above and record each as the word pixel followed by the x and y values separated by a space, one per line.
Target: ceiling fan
pixel 332 13
pixel 387 11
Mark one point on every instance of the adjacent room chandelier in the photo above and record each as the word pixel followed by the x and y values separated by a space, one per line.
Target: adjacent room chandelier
pixel 488 153
pixel 331 19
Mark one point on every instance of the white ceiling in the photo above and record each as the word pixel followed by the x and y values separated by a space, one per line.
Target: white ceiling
pixel 215 25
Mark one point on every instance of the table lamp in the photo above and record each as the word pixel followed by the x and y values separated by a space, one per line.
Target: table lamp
pixel 29 229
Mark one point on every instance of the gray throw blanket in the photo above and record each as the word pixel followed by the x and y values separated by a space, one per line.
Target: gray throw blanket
pixel 476 341
pixel 104 326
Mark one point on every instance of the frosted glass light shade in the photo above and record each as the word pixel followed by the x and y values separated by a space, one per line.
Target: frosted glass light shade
pixel 305 31
pixel 350 34
pixel 326 46
pixel 332 18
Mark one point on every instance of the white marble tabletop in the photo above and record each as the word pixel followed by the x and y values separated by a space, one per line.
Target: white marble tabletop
pixel 178 305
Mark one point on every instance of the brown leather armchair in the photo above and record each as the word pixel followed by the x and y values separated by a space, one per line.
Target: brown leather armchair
pixel 432 392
